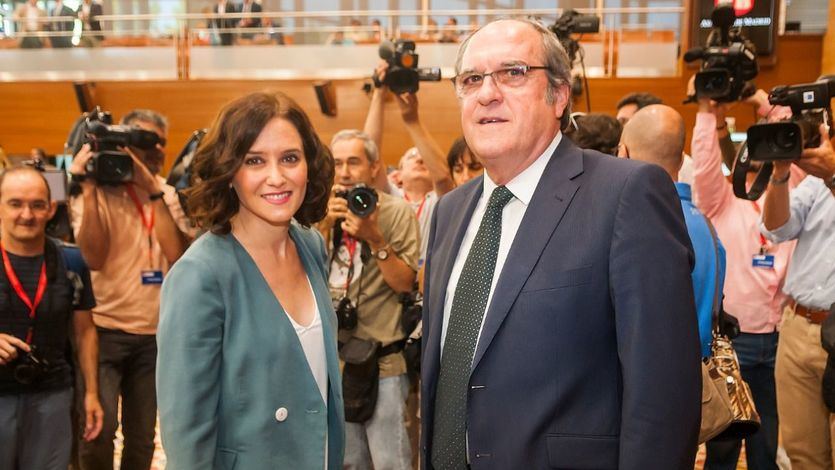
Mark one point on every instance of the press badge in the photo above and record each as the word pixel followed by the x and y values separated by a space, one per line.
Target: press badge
pixel 763 261
pixel 150 277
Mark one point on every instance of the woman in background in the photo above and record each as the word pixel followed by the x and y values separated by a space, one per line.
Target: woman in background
pixel 248 374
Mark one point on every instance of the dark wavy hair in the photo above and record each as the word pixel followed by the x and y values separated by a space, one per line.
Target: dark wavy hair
pixel 210 202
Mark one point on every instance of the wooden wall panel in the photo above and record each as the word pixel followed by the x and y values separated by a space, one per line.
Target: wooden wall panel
pixel 39 114
pixel 828 60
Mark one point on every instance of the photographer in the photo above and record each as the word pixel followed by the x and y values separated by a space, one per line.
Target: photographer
pixel 422 170
pixel 49 292
pixel 755 271
pixel 806 214
pixel 373 259
pixel 129 234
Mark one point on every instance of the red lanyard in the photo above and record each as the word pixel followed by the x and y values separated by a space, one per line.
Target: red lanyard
pixel 351 246
pixel 420 207
pixel 18 288
pixel 148 222
pixel 763 241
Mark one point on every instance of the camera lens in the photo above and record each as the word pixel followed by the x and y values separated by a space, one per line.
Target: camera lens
pixel 25 373
pixel 362 201
pixel 785 139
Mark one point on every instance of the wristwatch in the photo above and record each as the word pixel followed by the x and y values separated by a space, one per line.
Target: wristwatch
pixel 383 253
pixel 830 182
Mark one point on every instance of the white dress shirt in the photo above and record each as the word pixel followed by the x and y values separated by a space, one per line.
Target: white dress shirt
pixel 522 187
pixel 811 276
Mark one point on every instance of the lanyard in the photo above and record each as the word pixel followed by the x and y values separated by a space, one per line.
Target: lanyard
pixel 763 241
pixel 420 207
pixel 351 246
pixel 18 288
pixel 148 222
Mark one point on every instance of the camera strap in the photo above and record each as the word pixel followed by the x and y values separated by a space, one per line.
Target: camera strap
pixel 18 288
pixel 147 222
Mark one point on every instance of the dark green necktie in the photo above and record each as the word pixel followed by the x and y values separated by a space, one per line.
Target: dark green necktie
pixel 449 445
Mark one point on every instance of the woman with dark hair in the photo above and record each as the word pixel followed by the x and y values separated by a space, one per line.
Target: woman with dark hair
pixel 463 165
pixel 248 374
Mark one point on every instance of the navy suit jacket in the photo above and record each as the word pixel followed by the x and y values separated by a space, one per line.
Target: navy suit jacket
pixel 589 354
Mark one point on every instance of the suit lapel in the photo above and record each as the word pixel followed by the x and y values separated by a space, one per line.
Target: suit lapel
pixel 552 197
pixel 442 262
pixel 323 301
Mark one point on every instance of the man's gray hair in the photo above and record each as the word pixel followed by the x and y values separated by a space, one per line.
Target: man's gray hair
pixel 146 115
pixel 556 59
pixel 368 144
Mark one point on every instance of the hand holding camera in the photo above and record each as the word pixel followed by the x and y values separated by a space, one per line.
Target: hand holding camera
pixel 9 347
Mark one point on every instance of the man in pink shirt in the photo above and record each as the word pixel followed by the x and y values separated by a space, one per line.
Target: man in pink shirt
pixel 754 277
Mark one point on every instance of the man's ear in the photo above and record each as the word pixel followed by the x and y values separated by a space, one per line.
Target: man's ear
pixel 561 97
pixel 53 206
pixel 375 169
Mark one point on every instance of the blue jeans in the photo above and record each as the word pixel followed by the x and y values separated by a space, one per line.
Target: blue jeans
pixel 756 353
pixel 35 430
pixel 383 438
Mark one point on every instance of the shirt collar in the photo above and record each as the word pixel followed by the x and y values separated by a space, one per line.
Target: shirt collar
pixel 684 191
pixel 524 184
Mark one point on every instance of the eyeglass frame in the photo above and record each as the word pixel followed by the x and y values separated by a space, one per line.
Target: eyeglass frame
pixel 525 67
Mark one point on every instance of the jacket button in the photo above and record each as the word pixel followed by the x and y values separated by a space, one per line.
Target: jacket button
pixel 281 414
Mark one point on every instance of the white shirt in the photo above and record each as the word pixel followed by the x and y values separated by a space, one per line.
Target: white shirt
pixel 522 187
pixel 423 211
pixel 312 339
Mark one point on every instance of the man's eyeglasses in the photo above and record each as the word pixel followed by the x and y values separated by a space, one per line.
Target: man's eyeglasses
pixel 512 76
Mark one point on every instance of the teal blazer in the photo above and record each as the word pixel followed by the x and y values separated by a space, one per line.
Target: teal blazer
pixel 233 384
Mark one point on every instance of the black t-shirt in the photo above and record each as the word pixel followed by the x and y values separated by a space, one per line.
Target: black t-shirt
pixel 68 289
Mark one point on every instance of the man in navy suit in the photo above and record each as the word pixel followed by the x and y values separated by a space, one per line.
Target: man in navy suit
pixel 559 321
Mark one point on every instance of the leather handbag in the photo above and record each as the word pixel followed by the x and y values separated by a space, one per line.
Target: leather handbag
pixel 746 420
pixel 732 395
pixel 716 404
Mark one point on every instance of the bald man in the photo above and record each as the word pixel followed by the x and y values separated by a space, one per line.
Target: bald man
pixel 655 134
pixel 48 297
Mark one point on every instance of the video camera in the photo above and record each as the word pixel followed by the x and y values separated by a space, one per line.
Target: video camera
pixel 573 22
pixel 729 60
pixel 109 164
pixel 786 139
pixel 403 74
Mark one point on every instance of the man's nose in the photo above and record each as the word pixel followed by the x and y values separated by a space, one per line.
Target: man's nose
pixel 489 90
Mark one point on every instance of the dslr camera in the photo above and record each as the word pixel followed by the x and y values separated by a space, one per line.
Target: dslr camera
pixel 362 200
pixel 30 367
pixel 573 22
pixel 403 74
pixel 729 60
pixel 109 165
pixel 786 139
pixel 346 313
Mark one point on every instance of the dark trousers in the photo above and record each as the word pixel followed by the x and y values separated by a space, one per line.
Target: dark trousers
pixel 756 353
pixel 127 365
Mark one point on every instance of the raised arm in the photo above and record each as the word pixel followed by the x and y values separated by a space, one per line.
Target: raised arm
pixel 429 149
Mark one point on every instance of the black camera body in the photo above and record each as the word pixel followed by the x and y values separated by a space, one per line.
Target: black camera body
pixel 572 22
pixel 403 74
pixel 29 367
pixel 346 314
pixel 785 140
pixel 729 60
pixel 109 164
pixel 362 200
